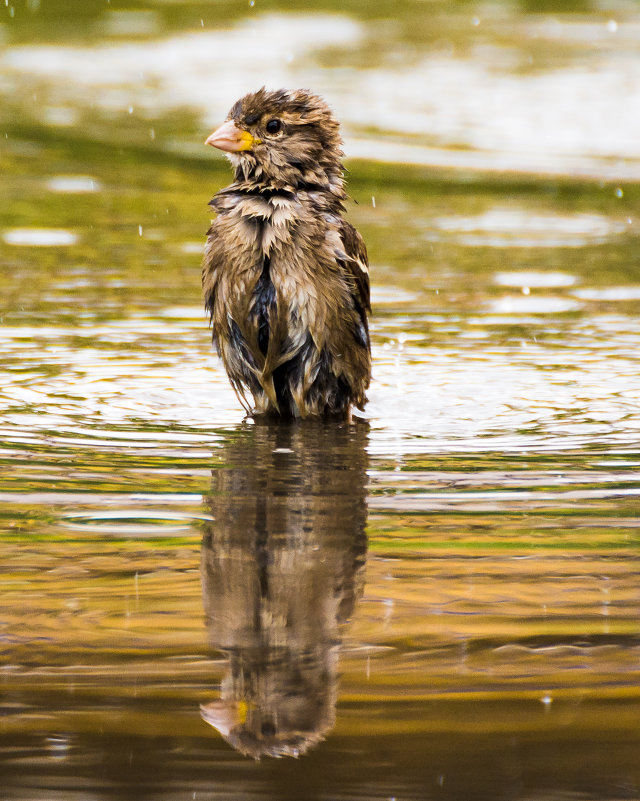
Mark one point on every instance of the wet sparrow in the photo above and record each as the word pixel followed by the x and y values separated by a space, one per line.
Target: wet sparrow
pixel 285 278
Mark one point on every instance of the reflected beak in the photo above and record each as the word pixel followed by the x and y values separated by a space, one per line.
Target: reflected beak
pixel 231 139
pixel 224 715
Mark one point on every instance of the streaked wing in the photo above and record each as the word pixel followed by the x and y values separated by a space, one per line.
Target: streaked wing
pixel 357 263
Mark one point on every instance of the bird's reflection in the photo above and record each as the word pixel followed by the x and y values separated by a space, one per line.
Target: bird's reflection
pixel 282 567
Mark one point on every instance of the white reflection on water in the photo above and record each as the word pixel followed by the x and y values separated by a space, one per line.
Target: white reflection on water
pixel 518 304
pixel 504 227
pixel 192 247
pixel 473 101
pixel 130 22
pixel 73 184
pixel 493 160
pixel 60 116
pixel 533 279
pixel 39 237
pixel 614 293
pixel 425 396
pixel 188 69
pixel 482 107
pixel 139 522
pixel 391 295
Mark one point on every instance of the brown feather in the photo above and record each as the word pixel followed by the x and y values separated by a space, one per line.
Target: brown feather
pixel 285 278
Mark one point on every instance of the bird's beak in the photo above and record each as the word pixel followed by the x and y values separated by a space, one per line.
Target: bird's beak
pixel 231 139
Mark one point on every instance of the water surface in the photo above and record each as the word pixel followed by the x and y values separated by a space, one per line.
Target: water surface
pixel 440 601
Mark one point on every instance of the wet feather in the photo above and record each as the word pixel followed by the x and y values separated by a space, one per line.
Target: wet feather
pixel 285 277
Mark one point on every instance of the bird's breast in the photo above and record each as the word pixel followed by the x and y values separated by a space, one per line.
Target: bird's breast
pixel 277 262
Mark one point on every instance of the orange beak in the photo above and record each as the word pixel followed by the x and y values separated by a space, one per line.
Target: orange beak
pixel 231 139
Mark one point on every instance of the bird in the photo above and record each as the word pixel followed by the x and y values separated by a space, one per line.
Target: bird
pixel 285 277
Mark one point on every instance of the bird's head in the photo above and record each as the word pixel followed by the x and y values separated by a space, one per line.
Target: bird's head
pixel 283 138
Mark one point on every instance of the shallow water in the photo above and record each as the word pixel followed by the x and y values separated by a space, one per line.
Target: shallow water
pixel 440 601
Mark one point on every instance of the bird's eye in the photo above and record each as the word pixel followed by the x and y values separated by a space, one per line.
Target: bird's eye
pixel 273 126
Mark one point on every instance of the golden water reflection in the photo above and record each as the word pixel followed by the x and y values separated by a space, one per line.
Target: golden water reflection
pixel 282 567
pixel 495 651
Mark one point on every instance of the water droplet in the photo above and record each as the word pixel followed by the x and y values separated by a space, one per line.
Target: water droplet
pixel 202 26
pixel 152 133
pixel 547 700
pixel 612 26
pixel 475 21
pixel 252 3
pixel 619 192
pixel 526 290
pixel 139 230
pixel 373 201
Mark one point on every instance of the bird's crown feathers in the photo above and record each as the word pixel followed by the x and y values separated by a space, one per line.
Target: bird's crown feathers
pixel 297 139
